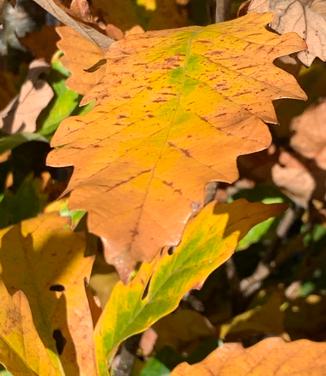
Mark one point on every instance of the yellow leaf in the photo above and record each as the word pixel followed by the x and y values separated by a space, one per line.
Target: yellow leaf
pixel 174 111
pixel 269 357
pixel 44 259
pixel 209 240
pixel 21 349
pixel 148 4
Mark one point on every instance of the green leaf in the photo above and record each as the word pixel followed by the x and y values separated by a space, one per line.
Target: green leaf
pixel 256 234
pixel 27 202
pixel 4 372
pixel 267 195
pixel 14 140
pixel 154 367
pixel 156 290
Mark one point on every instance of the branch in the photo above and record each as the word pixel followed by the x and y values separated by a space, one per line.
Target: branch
pixel 221 10
pixel 93 35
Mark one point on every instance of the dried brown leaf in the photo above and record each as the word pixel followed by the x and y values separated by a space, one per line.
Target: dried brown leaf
pixel 62 14
pixel 309 138
pixel 305 17
pixel 41 43
pixel 294 178
pixel 35 94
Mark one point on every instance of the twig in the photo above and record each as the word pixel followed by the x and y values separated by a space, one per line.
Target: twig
pixel 234 282
pixel 88 32
pixel 127 357
pixel 221 10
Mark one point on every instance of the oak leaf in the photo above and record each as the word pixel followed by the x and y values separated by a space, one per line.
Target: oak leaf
pixel 21 113
pixel 44 259
pixel 271 356
pixel 7 87
pixel 79 51
pixel 209 240
pixel 41 43
pixel 174 111
pixel 305 17
pixel 309 137
pixel 294 178
pixel 21 349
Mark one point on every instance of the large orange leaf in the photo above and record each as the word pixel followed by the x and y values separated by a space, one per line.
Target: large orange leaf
pixel 44 259
pixel 174 111
pixel 270 357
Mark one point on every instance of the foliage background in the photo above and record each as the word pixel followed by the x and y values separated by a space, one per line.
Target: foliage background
pixel 275 285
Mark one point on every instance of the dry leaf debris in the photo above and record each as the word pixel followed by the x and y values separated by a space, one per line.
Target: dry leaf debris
pixel 307 18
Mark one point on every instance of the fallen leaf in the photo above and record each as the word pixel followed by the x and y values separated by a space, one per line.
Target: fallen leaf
pixel 174 111
pixel 181 328
pixel 209 240
pixel 16 23
pixel 265 318
pixel 21 113
pixel 150 14
pixel 8 88
pixel 51 273
pixel 21 349
pixel 84 60
pixel 81 9
pixel 2 4
pixel 120 13
pixel 309 138
pixel 41 43
pixel 271 356
pixel 305 17
pixel 147 342
pixel 294 178
pixel 56 8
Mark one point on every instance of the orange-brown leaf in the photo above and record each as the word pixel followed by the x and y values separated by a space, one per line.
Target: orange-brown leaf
pixel 310 134
pixel 307 18
pixel 79 51
pixel 269 357
pixel 175 110
pixel 42 43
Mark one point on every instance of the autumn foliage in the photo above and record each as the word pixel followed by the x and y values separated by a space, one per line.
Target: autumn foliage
pixel 163 185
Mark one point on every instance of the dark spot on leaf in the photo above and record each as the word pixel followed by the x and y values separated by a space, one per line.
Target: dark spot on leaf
pixel 96 66
pixel 58 288
pixel 60 341
pixel 170 251
pixel 145 293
